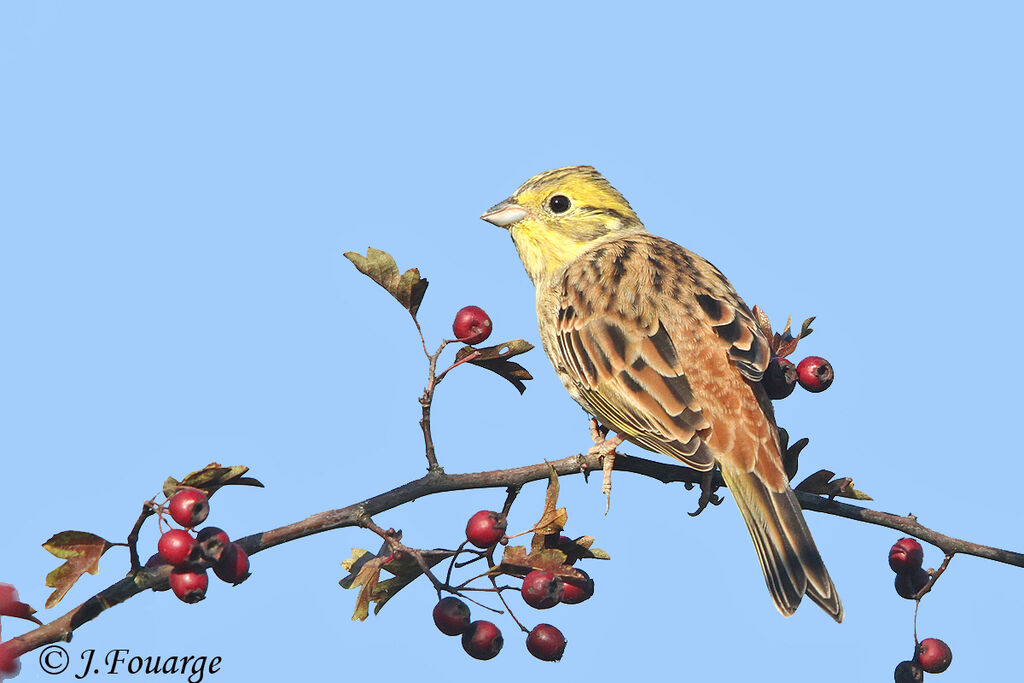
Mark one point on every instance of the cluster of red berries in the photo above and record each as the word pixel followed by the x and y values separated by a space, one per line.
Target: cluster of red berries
pixel 931 655
pixel 191 555
pixel 472 325
pixel 540 590
pixel 813 373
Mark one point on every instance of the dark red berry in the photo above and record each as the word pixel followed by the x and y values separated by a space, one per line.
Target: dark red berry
pixel 482 640
pixel 486 528
pixel 906 555
pixel 176 546
pixel 779 378
pixel 189 585
pixel 189 507
pixel 815 374
pixel 575 591
pixel 451 616
pixel 154 561
pixel 471 325
pixel 213 541
pixel 233 565
pixel 908 672
pixel 546 642
pixel 909 583
pixel 934 655
pixel 541 589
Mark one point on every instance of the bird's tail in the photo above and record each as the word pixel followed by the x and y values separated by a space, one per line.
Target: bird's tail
pixel 789 559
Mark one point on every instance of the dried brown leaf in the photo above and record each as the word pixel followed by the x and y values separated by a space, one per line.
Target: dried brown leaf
pixel 408 288
pixel 843 487
pixel 10 606
pixel 763 323
pixel 817 483
pixel 495 358
pixel 805 328
pixel 791 456
pixel 81 552
pixel 406 570
pixel 366 580
pixel 517 562
pixel 211 478
pixel 354 564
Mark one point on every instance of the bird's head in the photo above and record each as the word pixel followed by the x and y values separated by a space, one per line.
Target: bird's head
pixel 557 215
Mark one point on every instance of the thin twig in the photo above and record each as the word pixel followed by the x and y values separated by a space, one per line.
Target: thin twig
pixel 425 401
pixel 933 577
pixel 133 537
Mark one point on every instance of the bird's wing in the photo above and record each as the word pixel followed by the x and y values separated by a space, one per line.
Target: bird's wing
pixel 635 319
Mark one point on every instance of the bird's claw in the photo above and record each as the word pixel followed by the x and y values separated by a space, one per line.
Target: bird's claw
pixel 605 449
pixel 707 493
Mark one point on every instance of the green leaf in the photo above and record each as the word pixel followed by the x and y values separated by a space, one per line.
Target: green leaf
pixel 408 288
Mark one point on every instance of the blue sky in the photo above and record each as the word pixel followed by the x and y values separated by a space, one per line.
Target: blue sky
pixel 177 187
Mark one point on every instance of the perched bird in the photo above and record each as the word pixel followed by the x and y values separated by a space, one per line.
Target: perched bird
pixel 654 342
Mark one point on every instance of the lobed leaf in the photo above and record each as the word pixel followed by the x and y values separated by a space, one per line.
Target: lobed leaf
pixel 81 552
pixel 495 358
pixel 408 288
pixel 211 478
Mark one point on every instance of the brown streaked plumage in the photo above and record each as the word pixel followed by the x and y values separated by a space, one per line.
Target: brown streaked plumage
pixel 654 342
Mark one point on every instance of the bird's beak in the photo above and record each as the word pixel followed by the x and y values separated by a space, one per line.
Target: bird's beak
pixel 504 214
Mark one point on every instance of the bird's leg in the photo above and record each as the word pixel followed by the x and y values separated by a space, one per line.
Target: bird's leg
pixel 707 493
pixel 605 448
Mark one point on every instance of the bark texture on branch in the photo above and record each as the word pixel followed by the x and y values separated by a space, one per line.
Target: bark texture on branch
pixel 439 482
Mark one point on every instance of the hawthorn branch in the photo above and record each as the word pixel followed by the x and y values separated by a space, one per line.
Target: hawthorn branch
pixel 437 481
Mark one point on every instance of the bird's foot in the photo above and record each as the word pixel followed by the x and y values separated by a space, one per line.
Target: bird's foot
pixel 707 493
pixel 605 449
pixel 598 432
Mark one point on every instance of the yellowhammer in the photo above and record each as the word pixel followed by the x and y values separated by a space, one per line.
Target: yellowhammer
pixel 654 342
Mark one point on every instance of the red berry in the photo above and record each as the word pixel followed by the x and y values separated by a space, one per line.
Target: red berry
pixel 233 565
pixel 472 325
pixel 934 655
pixel 909 583
pixel 575 591
pixel 541 589
pixel 486 528
pixel 482 640
pixel 189 507
pixel 10 666
pixel 815 374
pixel 176 546
pixel 779 378
pixel 546 642
pixel 213 541
pixel 908 672
pixel 189 585
pixel 153 562
pixel 451 616
pixel 906 555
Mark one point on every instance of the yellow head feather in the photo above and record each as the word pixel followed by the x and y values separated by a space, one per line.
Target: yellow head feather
pixel 557 215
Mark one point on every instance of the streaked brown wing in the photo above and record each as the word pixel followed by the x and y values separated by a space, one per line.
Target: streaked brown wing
pixel 634 318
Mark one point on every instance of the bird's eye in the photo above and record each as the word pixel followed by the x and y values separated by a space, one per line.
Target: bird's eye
pixel 559 203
